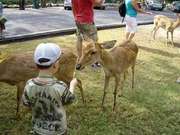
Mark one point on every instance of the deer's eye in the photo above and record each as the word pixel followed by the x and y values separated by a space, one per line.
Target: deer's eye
pixel 94 52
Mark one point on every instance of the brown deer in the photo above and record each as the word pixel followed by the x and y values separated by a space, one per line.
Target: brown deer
pixel 161 21
pixel 18 68
pixel 115 62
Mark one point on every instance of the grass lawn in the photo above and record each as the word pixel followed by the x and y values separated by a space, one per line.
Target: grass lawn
pixel 152 108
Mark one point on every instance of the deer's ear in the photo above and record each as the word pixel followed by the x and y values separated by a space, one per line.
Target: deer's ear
pixel 99 45
pixel 108 44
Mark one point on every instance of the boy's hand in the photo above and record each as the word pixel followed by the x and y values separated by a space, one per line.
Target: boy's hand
pixel 73 84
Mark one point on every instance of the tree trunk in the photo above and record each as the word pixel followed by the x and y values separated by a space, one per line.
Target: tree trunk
pixel 21 4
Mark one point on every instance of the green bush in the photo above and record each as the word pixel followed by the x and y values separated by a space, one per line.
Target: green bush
pixel 10 2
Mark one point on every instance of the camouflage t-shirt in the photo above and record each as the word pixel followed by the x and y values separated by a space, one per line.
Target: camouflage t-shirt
pixel 46 96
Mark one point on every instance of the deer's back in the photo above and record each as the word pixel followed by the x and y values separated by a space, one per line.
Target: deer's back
pixel 124 55
pixel 21 67
pixel 17 67
pixel 162 21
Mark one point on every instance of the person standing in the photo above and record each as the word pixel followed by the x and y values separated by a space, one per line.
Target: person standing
pixel 132 9
pixel 84 19
pixel 3 20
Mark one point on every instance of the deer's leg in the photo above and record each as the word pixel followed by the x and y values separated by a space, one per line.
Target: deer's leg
pixel 106 83
pixel 133 67
pixel 117 79
pixel 81 90
pixel 155 30
pixel 20 88
pixel 172 42
pixel 124 76
pixel 125 73
pixel 122 83
pixel 152 32
pixel 167 37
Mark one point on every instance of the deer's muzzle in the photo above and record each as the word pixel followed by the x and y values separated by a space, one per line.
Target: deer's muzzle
pixel 78 66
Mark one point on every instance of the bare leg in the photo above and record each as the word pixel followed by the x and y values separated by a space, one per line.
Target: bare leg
pixel 131 36
pixel 117 79
pixel 106 83
pixel 127 35
pixel 79 46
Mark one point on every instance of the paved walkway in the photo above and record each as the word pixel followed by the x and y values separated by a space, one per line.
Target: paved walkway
pixel 33 21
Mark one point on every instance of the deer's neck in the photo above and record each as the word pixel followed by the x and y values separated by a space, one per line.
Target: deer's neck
pixel 176 23
pixel 105 58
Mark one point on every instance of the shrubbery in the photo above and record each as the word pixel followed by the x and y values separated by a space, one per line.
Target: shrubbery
pixel 10 2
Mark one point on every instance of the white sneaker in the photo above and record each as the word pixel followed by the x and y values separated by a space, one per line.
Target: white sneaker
pixel 178 80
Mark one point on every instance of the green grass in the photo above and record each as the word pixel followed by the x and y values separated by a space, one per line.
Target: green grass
pixel 152 108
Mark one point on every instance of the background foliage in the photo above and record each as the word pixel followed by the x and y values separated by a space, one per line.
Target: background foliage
pixel 9 2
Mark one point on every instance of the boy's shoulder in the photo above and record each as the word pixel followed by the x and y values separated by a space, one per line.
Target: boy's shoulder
pixel 55 84
pixel 61 84
pixel 30 82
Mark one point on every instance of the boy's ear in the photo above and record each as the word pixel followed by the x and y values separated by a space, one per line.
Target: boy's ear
pixel 54 65
pixel 107 44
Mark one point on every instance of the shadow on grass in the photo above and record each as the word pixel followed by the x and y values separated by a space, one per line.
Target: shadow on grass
pixel 176 44
pixel 159 52
pixel 160 78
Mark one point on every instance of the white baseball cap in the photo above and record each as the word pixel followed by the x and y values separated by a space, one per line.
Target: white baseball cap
pixel 49 51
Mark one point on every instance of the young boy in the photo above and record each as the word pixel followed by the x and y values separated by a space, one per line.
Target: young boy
pixel 45 95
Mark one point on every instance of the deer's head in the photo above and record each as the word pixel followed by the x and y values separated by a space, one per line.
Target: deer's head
pixel 91 52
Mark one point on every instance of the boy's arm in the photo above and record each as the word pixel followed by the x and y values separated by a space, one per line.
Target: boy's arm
pixel 25 98
pixel 68 94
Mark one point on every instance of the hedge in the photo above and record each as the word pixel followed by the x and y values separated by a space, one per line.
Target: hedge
pixel 11 2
